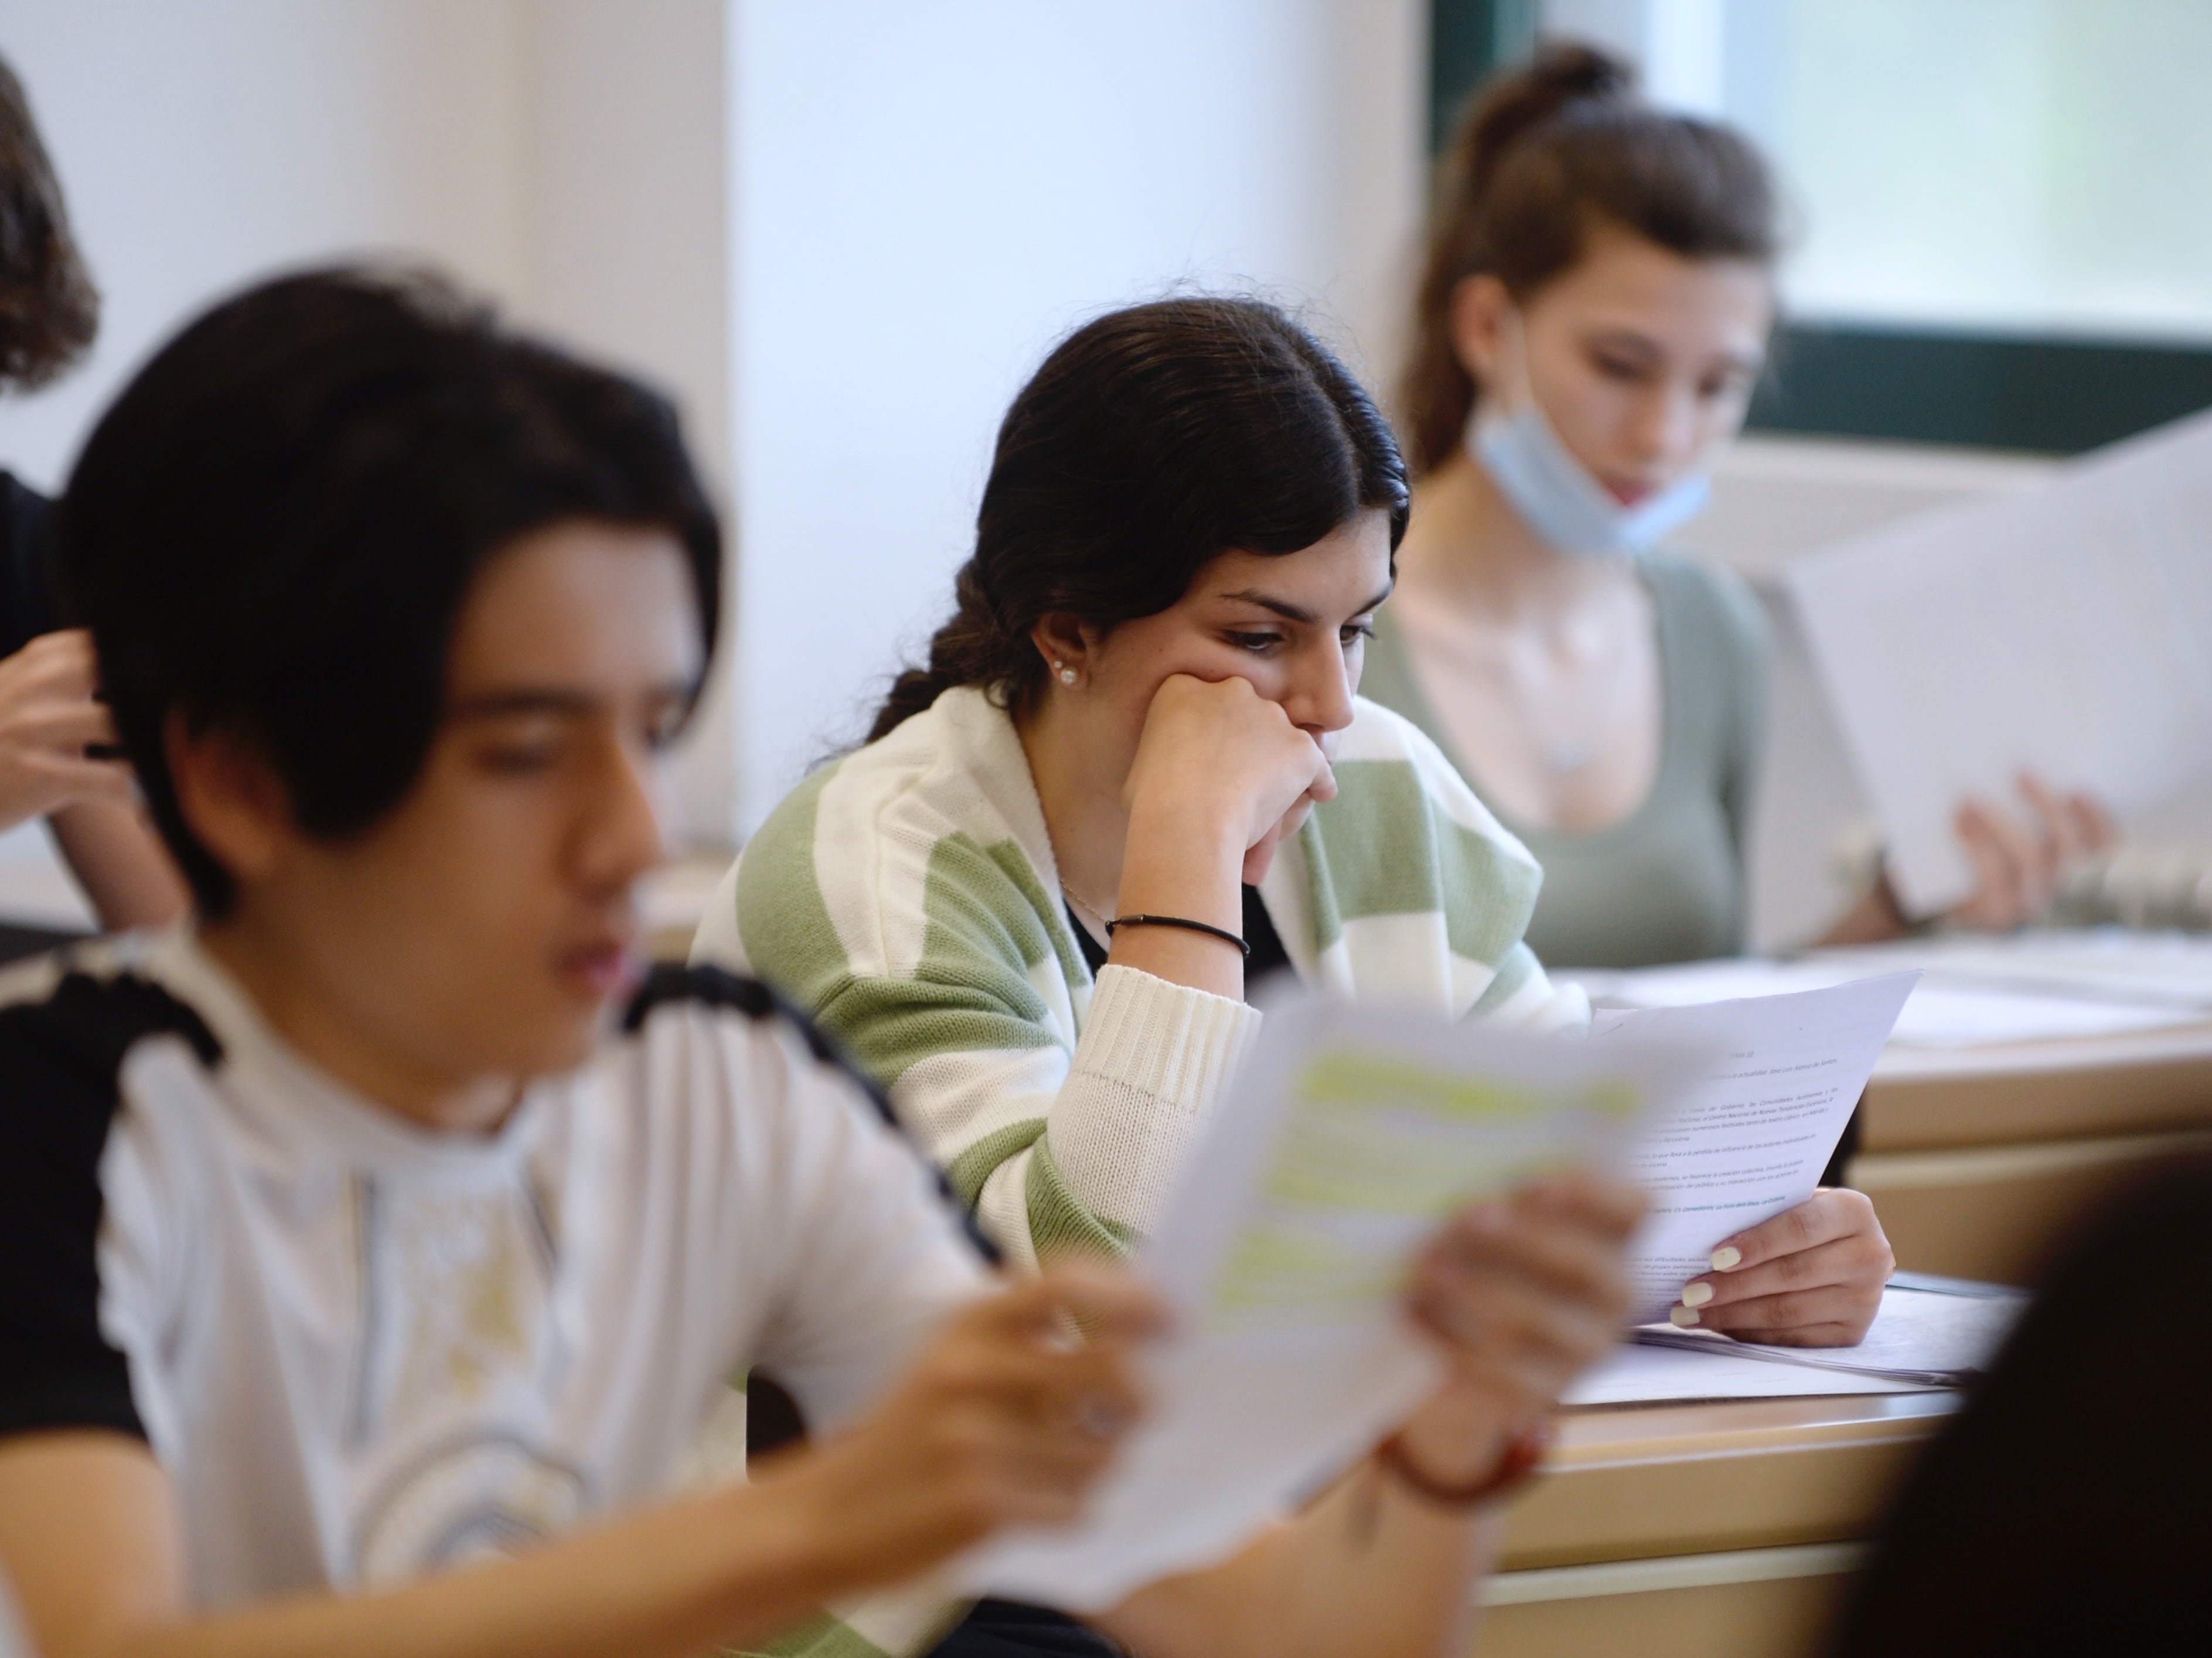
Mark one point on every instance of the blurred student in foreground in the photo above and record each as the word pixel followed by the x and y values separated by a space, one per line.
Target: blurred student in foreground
pixel 2069 1509
pixel 49 715
pixel 379 1223
pixel 1594 314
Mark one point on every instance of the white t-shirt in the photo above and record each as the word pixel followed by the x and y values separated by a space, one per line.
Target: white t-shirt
pixel 363 1350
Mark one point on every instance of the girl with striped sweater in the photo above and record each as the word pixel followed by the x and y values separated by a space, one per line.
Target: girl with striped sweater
pixel 1135 773
pixel 1144 707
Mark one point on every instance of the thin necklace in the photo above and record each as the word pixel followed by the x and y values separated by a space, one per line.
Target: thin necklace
pixel 1091 910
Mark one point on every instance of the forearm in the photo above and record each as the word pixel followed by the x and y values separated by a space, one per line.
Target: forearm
pixel 1154 1060
pixel 734 1567
pixel 121 865
pixel 1369 1567
pixel 1172 864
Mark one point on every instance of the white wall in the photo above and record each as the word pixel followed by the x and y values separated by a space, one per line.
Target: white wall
pixel 568 157
pixel 928 196
pixel 200 145
pixel 625 248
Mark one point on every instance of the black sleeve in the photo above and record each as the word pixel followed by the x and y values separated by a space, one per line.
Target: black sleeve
pixel 58 1064
pixel 29 605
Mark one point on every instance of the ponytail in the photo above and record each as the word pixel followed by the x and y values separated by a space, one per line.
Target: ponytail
pixel 973 648
pixel 1565 73
pixel 1539 156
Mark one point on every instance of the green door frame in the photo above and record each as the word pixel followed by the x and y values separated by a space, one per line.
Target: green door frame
pixel 1993 391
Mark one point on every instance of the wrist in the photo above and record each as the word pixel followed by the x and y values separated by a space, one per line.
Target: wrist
pixel 813 1525
pixel 1508 1462
pixel 1182 863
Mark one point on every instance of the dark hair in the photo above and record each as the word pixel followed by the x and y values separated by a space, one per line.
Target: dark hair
pixel 1151 441
pixel 49 309
pixel 2064 1510
pixel 1541 156
pixel 273 530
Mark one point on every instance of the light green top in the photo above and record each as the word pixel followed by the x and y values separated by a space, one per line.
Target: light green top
pixel 1667 883
pixel 907 898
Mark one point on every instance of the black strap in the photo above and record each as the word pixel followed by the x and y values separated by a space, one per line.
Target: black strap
pixel 1268 954
pixel 1183 923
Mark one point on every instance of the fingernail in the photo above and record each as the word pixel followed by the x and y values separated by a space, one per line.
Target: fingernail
pixel 1696 1295
pixel 1727 1258
pixel 1683 1317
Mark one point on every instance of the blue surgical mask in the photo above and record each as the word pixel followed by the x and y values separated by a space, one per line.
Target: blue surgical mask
pixel 1559 498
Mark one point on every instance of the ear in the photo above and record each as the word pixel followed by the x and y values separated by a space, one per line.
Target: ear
pixel 230 797
pixel 1067 645
pixel 1480 310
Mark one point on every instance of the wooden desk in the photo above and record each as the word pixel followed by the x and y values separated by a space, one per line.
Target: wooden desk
pixel 1699 1531
pixel 1979 1161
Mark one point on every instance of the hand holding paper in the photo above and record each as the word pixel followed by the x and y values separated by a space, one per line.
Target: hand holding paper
pixel 1811 1277
pixel 1286 1252
pixel 1745 1148
pixel 1510 1354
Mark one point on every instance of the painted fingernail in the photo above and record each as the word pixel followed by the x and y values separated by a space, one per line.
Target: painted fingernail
pixel 1727 1258
pixel 1683 1317
pixel 1696 1295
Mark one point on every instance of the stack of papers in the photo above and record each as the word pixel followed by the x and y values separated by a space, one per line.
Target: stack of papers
pixel 1931 1338
pixel 1973 993
pixel 1931 1333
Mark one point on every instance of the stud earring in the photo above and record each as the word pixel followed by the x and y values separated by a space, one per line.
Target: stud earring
pixel 1066 674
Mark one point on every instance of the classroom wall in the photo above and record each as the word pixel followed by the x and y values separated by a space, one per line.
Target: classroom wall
pixel 201 144
pixel 566 156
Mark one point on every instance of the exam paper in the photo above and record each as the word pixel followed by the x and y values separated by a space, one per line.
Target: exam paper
pixel 1634 1374
pixel 1751 1136
pixel 2116 965
pixel 1349 1134
pixel 1930 1339
pixel 1962 1001
pixel 2063 630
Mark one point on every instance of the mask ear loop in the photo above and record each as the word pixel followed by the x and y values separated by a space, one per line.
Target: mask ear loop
pixel 1513 391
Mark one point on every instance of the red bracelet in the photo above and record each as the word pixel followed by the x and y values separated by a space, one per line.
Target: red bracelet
pixel 1524 1454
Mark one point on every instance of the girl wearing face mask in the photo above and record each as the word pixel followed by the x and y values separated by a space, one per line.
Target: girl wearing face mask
pixel 1592 318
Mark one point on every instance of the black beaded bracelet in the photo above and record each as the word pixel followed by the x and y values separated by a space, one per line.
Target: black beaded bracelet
pixel 1181 921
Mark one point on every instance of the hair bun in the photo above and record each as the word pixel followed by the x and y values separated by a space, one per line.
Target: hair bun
pixel 1572 69
pixel 1562 73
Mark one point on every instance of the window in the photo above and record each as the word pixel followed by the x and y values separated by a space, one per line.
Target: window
pixel 2005 217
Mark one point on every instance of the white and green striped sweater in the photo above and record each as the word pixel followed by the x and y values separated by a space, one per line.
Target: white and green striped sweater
pixel 906 897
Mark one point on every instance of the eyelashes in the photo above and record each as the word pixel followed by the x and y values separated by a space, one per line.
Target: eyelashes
pixel 1355 633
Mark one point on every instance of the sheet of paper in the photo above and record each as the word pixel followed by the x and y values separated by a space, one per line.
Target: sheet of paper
pixel 1637 1375
pixel 1350 1133
pixel 1935 1339
pixel 2062 629
pixel 1750 1139
pixel 2110 963
pixel 1960 1001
